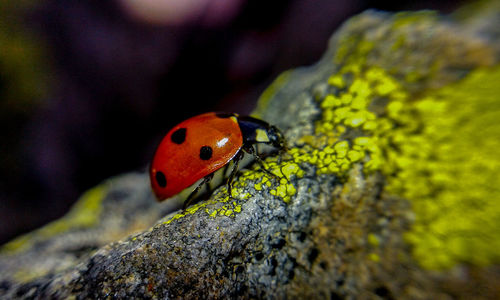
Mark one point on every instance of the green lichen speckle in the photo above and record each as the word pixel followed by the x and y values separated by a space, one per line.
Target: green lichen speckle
pixel 374 257
pixel 448 162
pixel 220 205
pixel 373 240
pixel 282 187
pixel 348 109
pixel 192 209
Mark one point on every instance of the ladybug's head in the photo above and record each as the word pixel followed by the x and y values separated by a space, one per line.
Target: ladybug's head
pixel 276 138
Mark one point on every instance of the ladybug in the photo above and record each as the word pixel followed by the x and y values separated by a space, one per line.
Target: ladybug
pixel 201 145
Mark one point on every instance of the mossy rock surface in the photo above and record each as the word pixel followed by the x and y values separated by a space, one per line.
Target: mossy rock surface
pixel 390 187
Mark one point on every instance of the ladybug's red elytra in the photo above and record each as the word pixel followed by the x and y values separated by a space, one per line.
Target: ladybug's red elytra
pixel 199 146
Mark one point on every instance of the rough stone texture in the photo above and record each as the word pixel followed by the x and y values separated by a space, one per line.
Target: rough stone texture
pixel 344 223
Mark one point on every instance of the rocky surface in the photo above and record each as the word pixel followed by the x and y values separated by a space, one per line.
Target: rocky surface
pixel 379 195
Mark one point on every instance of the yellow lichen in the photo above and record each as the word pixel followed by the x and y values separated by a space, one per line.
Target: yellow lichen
pixel 449 170
pixel 228 209
pixel 439 152
pixel 374 257
pixel 373 240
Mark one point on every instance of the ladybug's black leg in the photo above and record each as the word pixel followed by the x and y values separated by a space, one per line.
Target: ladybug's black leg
pixel 236 161
pixel 251 150
pixel 224 172
pixel 190 198
pixel 208 188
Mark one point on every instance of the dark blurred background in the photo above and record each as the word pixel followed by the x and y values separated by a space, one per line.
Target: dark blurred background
pixel 88 88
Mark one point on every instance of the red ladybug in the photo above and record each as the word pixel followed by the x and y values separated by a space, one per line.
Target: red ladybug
pixel 201 145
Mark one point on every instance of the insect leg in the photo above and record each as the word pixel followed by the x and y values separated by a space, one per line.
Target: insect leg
pixel 251 150
pixel 224 172
pixel 236 161
pixel 190 198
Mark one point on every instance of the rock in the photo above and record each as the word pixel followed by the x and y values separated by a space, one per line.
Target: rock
pixel 389 188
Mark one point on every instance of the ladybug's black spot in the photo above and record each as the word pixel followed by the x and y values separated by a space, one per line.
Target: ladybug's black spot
pixel 223 115
pixel 205 152
pixel 179 136
pixel 161 179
